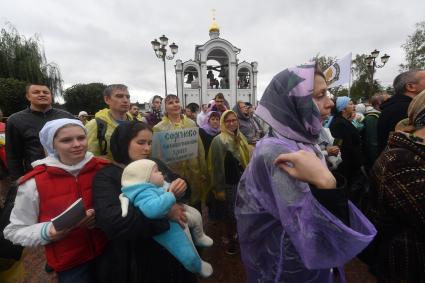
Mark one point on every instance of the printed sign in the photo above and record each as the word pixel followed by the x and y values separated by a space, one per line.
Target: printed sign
pixel 176 145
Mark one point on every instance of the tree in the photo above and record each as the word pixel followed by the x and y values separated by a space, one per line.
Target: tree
pixel 87 97
pixel 339 91
pixel 362 72
pixel 23 61
pixel 12 93
pixel 324 62
pixel 415 49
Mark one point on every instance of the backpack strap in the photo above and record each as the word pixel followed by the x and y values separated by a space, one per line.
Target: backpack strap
pixel 101 132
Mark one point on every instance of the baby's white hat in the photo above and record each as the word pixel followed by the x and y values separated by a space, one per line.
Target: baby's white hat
pixel 137 172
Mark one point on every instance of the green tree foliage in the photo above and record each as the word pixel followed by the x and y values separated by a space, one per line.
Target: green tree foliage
pixel 415 49
pixel 12 94
pixel 24 59
pixel 87 97
pixel 324 62
pixel 339 91
pixel 361 86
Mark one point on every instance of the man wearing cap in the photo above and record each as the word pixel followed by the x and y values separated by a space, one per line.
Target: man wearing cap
pixel 82 116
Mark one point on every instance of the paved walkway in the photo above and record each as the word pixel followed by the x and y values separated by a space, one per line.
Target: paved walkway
pixel 227 269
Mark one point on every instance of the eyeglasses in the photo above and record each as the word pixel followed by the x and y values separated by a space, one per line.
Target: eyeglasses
pixel 219 101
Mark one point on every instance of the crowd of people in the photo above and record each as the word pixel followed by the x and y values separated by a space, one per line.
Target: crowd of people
pixel 302 183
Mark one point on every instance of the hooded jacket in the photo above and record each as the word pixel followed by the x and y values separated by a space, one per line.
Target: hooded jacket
pixel 288 231
pixel 195 169
pixel 392 111
pixel 43 194
pixel 91 126
pixel 247 125
pixel 228 157
pixel 370 136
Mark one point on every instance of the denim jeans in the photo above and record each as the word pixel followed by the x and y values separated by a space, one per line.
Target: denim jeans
pixel 82 273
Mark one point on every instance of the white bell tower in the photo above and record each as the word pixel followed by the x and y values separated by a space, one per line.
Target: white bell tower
pixel 214 69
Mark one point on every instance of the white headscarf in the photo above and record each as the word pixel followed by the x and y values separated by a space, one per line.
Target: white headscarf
pixel 49 130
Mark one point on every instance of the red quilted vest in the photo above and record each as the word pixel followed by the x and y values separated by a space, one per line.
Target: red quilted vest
pixel 57 190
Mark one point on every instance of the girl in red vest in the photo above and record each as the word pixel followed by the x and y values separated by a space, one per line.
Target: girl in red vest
pixel 50 188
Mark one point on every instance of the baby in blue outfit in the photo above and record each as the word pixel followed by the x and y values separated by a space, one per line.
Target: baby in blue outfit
pixel 143 185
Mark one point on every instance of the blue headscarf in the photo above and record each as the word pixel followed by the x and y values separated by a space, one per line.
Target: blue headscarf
pixel 342 102
pixel 287 105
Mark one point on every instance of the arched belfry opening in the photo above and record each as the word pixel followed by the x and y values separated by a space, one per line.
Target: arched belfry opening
pixel 214 69
pixel 217 69
pixel 244 78
pixel 191 77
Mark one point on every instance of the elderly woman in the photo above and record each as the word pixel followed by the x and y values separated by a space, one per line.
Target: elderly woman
pixel 247 125
pixel 292 228
pixel 228 157
pixel 194 170
pixel 397 202
pixel 56 182
pixel 343 130
pixel 132 255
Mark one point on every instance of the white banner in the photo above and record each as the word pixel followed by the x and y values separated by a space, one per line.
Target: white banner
pixel 176 145
pixel 340 72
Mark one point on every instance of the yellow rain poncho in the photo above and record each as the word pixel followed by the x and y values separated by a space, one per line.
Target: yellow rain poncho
pixel 195 169
pixel 11 270
pixel 226 141
pixel 93 142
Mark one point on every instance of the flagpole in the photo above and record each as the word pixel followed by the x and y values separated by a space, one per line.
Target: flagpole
pixel 351 73
pixel 349 84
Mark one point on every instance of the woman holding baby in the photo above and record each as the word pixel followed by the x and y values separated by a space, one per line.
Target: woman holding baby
pixel 132 255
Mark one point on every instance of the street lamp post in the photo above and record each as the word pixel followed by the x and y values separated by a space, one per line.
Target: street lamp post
pixel 371 62
pixel 159 47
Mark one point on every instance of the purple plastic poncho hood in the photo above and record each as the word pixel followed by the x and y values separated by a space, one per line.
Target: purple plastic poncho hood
pixel 285 234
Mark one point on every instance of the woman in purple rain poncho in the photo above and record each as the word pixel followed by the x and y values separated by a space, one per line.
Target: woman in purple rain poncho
pixel 290 230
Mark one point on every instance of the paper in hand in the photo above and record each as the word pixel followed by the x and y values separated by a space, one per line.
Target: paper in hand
pixel 71 216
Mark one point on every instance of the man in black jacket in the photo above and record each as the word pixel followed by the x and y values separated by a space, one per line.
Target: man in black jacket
pixel 406 86
pixel 22 128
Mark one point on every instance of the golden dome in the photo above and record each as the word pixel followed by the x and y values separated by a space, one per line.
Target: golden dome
pixel 214 26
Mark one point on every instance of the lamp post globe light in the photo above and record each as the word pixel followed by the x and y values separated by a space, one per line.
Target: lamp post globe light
pixel 371 62
pixel 160 49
